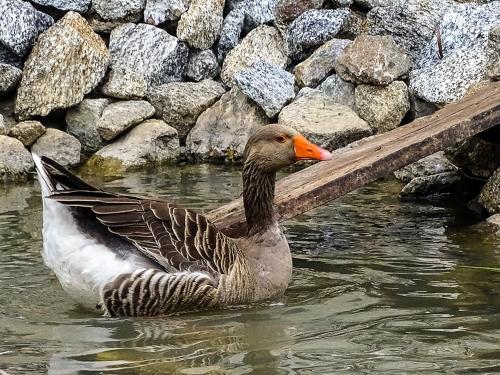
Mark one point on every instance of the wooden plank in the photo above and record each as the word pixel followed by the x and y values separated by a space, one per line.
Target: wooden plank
pixel 373 158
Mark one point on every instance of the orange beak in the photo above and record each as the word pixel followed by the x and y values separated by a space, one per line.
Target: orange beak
pixel 305 150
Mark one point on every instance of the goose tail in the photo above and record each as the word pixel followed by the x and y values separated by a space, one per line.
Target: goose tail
pixel 47 183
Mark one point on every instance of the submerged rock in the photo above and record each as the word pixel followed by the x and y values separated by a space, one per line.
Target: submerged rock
pixel 339 91
pixel 430 165
pixel 59 146
pixel 180 103
pixel 112 10
pixel 490 195
pixel 437 184
pixel 15 161
pixel 202 65
pixel 322 121
pixel 268 85
pixel 159 11
pixel 222 131
pixel 77 5
pixel 27 132
pixel 10 76
pixel 125 84
pixel 67 61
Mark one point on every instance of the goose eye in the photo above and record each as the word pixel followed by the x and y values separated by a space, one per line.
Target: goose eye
pixel 280 139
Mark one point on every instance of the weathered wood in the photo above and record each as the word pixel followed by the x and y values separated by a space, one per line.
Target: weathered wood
pixel 373 158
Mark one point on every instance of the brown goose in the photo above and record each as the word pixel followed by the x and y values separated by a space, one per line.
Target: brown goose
pixel 134 256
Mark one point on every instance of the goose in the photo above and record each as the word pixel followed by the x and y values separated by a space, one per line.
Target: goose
pixel 133 256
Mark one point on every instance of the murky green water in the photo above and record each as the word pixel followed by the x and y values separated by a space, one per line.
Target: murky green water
pixel 379 286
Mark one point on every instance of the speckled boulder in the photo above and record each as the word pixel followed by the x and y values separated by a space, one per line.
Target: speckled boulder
pixel 20 25
pixel 10 58
pixel 77 5
pixel 286 11
pixel 313 28
pixel 27 132
pixel 493 64
pixel 2 126
pixel 428 166
pixel 269 86
pixel 159 11
pixel 263 43
pixel 222 131
pixel 320 64
pixel 67 61
pixel 490 195
pixel 202 65
pixel 322 121
pixel 125 84
pixel 147 50
pixel 180 103
pixel 372 59
pixel 230 33
pixel 257 12
pixel 201 25
pixel 15 161
pixel 369 4
pixel 112 10
pixel 59 146
pixel 340 91
pixel 382 107
pixel 10 76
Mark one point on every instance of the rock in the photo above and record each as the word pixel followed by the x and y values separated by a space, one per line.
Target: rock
pixel 20 25
pixel 339 91
pixel 437 184
pixel 10 76
pixel 103 26
pixel 372 59
pixel 322 121
pixel 464 39
pixel 111 10
pixel 8 57
pixel 430 165
pixel 412 23
pixel 202 65
pixel 82 121
pixel 493 222
pixel 222 131
pixel 341 3
pixel 159 11
pixel 419 108
pixel 15 161
pixel 147 50
pixel 76 5
pixel 288 10
pixel 313 28
pixel 369 4
pixel 382 107
pixel 59 146
pixel 67 61
pixel 180 103
pixel 121 116
pixel 263 43
pixel 2 125
pixel 151 143
pixel 356 25
pixel 27 132
pixel 125 84
pixel 269 86
pixel 490 195
pixel 201 25
pixel 493 46
pixel 232 28
pixel 257 12
pixel 320 64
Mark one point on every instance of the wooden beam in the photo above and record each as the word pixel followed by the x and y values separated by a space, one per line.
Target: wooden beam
pixel 372 158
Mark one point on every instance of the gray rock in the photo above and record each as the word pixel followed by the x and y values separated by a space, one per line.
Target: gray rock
pixel 20 25
pixel 2 125
pixel 269 86
pixel 202 65
pixel 490 195
pixel 430 165
pixel 369 4
pixel 263 43
pixel 382 107
pixel 222 131
pixel 341 3
pixel 118 117
pixel 102 26
pixel 67 61
pixel 159 11
pixel 493 222
pixel 340 91
pixel 151 143
pixel 419 108
pixel 10 76
pixel 82 121
pixel 493 46
pixel 125 84
pixel 201 25
pixel 10 58
pixel 180 103
pixel 232 28
pixel 15 161
pixel 372 59
pixel 437 184
pixel 322 121
pixel 257 12
pixel 27 132
pixel 356 25
pixel 59 146
pixel 112 10
pixel 150 51
pixel 320 64
pixel 77 5
pixel 313 28
pixel 288 10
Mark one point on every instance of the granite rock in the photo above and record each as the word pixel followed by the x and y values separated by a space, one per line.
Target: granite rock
pixel 59 146
pixel 490 195
pixel 257 12
pixel 201 25
pixel 81 122
pixel 148 50
pixel 313 28
pixel 370 4
pixel 180 103
pixel 356 25
pixel 125 84
pixel 428 166
pixel 322 121
pixel 340 91
pixel 493 46
pixel 263 43
pixel 2 125
pixel 434 185
pixel 9 57
pixel 286 11
pixel 76 5
pixel 102 26
pixel 222 131
pixel 419 107
pixel 382 107
pixel 320 64
pixel 112 10
pixel 20 25
pixel 67 61
pixel 232 28
pixel 27 132
pixel 372 59
pixel 10 76
pixel 118 117
pixel 160 11
pixel 202 65
pixel 15 161
pixel 341 3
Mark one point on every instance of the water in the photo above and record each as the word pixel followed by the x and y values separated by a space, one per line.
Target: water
pixel 379 286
